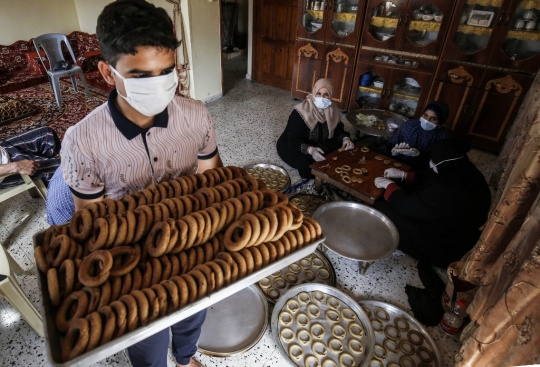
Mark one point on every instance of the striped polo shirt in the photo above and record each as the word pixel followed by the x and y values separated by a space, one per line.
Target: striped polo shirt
pixel 107 154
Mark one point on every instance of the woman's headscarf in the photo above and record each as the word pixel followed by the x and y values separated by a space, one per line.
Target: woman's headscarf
pixel 313 115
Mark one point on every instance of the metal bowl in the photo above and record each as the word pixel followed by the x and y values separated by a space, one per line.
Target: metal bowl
pixel 267 166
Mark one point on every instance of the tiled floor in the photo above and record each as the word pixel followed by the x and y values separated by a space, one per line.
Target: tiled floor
pixel 249 119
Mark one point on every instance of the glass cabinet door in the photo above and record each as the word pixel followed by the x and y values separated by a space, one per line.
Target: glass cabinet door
pixel 407 93
pixel 372 85
pixel 344 15
pixel 521 41
pixel 382 21
pixel 312 19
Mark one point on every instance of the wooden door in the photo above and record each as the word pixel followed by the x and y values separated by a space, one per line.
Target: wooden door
pixel 382 23
pixel 367 93
pixel 407 92
pixel 307 67
pixel 426 36
pixel 495 108
pixel 339 67
pixel 274 36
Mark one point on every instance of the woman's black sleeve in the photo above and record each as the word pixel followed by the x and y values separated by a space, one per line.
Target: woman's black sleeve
pixel 297 133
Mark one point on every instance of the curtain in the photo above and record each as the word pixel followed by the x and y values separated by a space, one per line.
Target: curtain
pixel 182 59
pixel 505 263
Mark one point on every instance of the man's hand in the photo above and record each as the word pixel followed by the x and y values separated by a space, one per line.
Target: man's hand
pixel 26 167
pixel 316 153
pixel 347 144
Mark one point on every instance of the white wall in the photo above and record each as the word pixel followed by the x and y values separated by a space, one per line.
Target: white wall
pixel 25 19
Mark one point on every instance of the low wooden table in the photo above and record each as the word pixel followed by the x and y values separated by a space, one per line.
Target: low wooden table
pixel 355 159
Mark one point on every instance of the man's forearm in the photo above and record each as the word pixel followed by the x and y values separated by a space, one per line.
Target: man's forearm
pixel 8 169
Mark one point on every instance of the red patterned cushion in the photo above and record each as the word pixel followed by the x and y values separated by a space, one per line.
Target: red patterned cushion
pixel 12 57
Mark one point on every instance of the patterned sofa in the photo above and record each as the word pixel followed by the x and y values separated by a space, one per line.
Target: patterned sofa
pixel 20 66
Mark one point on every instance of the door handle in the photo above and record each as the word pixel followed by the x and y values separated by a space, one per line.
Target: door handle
pixel 400 20
pixel 406 20
pixel 501 17
pixel 508 18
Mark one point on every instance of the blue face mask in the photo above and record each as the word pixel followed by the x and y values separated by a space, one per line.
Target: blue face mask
pixel 426 125
pixel 322 103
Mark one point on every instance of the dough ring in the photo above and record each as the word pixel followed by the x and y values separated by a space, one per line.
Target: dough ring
pixel 265 283
pixel 357 171
pixel 392 332
pixel 303 336
pixel 304 297
pixel 379 327
pixel 296 352
pixel 287 335
pixel 379 158
pixel 356 347
pixel 273 293
pixel 364 149
pixel 293 306
pixel 406 347
pixel 333 303
pixel 302 319
pixel 319 296
pixel 335 345
pixel 397 164
pixel 313 310
pixel 291 278
pixel 391 346
pixel 317 331
pixel 378 312
pixel 406 361
pixel 311 361
pixel 295 268
pixel 339 332
pixel 338 170
pixel 424 354
pixel 387 161
pixel 319 349
pixel 317 263
pixel 329 363
pixel 305 264
pixel 356 330
pixel 418 338
pixel 379 352
pixel 376 363
pixel 277 274
pixel 279 282
pixel 348 314
pixel 332 316
pixel 346 179
pixel 309 275
pixel 346 360
pixel 285 318
pixel 346 168
pixel 401 324
pixel 334 158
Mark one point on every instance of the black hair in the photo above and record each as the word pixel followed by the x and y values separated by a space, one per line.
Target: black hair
pixel 125 25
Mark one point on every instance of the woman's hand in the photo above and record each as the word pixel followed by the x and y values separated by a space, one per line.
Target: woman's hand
pixel 394 173
pixel 316 153
pixel 347 144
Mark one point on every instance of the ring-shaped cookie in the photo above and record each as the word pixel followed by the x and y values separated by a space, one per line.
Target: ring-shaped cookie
pixel 364 149
pixel 304 297
pixel 378 311
pixel 379 328
pixel 265 283
pixel 303 336
pixel 346 179
pixel 406 347
pixel 339 331
pixel 379 352
pixel 296 352
pixel 295 268
pixel 391 346
pixel 346 167
pixel 424 354
pixel 357 171
pixel 346 360
pixel 394 364
pixel 279 282
pixel 318 296
pixel 332 316
pixel 76 339
pixel 348 314
pixel 328 363
pixel 355 346
pixel 316 262
pixel 412 334
pixel 302 319
pixel 285 318
pixel 392 332
pixel 319 349
pixel 304 264
pixel 333 303
pixel 311 361
pixel 406 361
pixel 313 310
pixel 375 363
pixel 338 170
pixel 273 293
pixel 401 324
pixel 335 345
pixel 291 278
pixel 105 261
pixel 287 335
pixel 309 275
pixel 317 330
pixel 356 330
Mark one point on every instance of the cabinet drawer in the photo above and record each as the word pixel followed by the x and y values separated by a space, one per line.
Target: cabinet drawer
pixel 466 75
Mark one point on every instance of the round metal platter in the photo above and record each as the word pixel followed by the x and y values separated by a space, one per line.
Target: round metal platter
pixel 308 203
pixel 275 177
pixel 357 231
pixel 385 116
pixel 400 341
pixel 327 327
pixel 235 324
pixel 315 268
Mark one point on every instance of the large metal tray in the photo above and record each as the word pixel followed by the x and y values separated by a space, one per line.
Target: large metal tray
pixel 234 325
pixel 53 337
pixel 357 231
pixel 302 266
pixel 266 166
pixel 394 312
pixel 361 317
pixel 385 116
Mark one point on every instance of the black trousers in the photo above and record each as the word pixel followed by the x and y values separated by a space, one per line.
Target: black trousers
pixel 299 161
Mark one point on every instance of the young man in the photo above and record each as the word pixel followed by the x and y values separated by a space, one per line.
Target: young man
pixel 144 134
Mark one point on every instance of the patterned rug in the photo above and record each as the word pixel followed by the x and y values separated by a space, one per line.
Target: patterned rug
pixel 41 97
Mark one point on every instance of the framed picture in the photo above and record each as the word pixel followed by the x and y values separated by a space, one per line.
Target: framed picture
pixel 480 18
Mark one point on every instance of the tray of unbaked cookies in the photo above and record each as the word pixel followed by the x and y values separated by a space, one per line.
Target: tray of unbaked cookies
pixel 318 325
pixel 315 268
pixel 400 340
pixel 308 203
pixel 274 176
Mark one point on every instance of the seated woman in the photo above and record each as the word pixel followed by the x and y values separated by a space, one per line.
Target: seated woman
pixel 411 140
pixel 30 153
pixel 314 130
pixel 438 213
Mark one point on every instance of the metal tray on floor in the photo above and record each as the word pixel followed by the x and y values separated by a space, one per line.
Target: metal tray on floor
pixel 53 337
pixel 265 168
pixel 235 324
pixel 383 337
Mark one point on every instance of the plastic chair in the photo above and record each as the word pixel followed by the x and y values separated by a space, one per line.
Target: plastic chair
pixel 51 43
pixel 9 288
pixel 36 189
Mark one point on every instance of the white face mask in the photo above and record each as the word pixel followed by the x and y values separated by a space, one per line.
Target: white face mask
pixel 149 96
pixel 321 102
pixel 426 125
pixel 433 166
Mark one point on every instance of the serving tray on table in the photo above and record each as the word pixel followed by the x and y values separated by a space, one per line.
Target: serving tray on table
pixel 53 337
